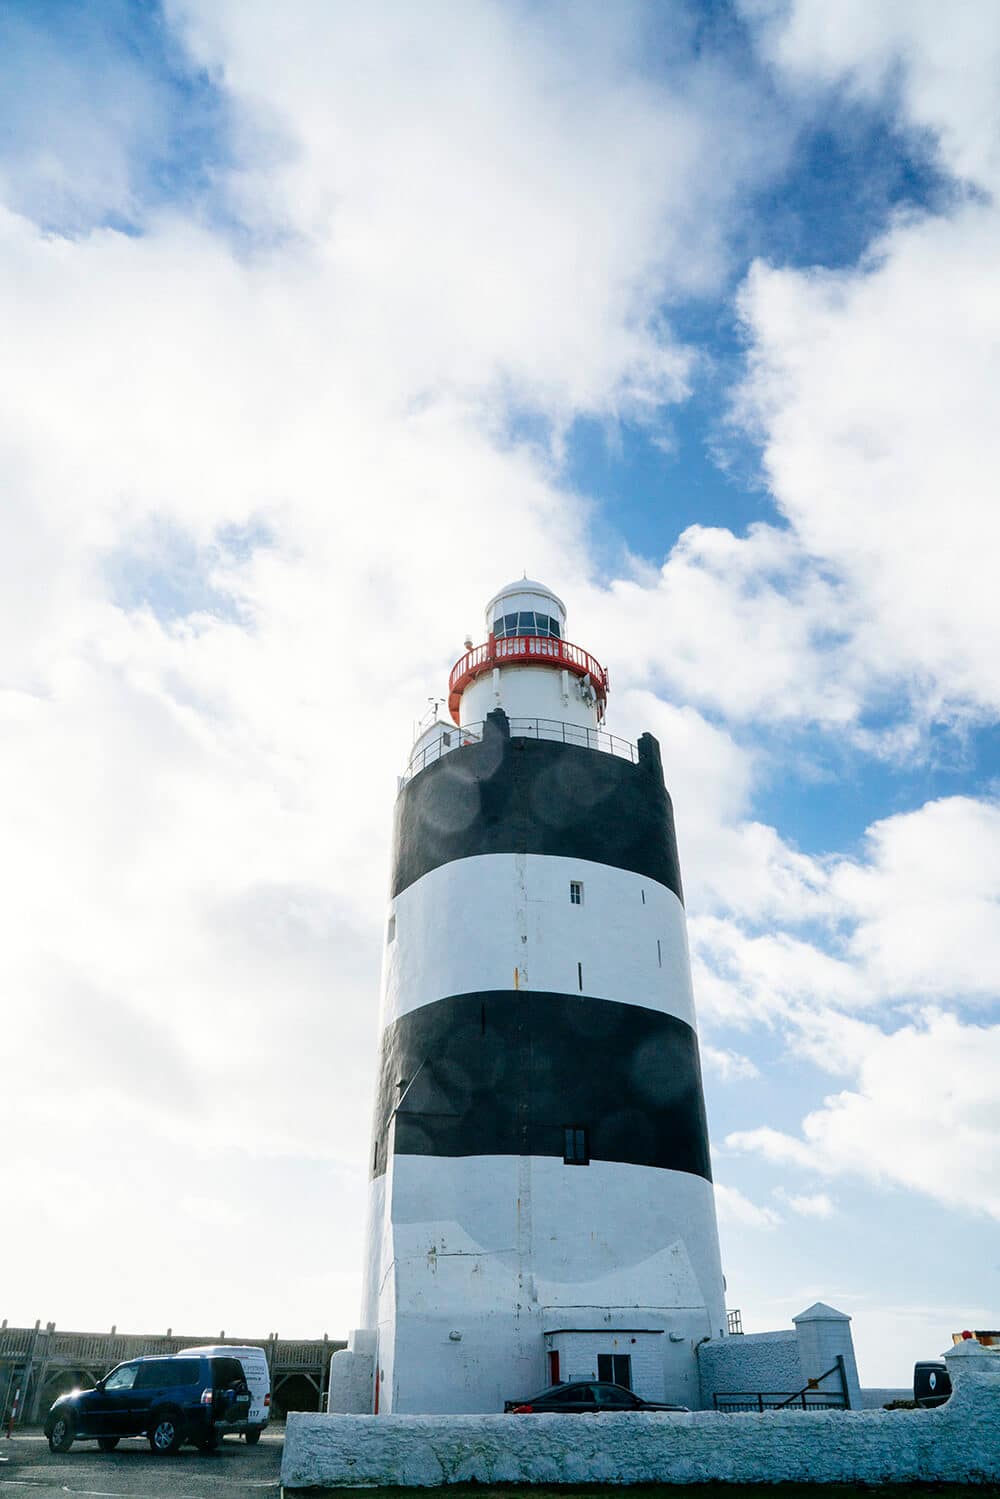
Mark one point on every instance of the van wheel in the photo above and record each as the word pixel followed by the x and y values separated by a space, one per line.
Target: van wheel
pixel 108 1444
pixel 61 1435
pixel 209 1442
pixel 252 1436
pixel 166 1433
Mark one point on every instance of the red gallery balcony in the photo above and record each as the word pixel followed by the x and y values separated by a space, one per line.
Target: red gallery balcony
pixel 525 650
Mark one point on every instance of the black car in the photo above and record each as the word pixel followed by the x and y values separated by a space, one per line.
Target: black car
pixel 170 1400
pixel 590 1397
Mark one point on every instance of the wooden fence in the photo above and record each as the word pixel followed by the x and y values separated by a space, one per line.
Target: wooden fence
pixel 38 1363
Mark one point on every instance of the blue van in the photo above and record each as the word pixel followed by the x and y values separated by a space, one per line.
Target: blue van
pixel 169 1399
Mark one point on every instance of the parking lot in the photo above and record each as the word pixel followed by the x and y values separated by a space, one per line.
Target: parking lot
pixel 28 1468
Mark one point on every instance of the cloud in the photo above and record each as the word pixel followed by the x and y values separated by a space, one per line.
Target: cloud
pixel 728 1065
pixel 884 476
pixel 742 626
pixel 737 1211
pixel 99 119
pixel 923 1114
pixel 508 196
pixel 926 904
pixel 941 78
pixel 260 478
pixel 807 1204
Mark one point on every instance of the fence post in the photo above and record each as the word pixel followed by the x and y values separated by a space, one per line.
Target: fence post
pixel 29 1363
pixel 36 1399
pixel 841 1365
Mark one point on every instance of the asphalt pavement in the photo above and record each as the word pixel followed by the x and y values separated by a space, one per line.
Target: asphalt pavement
pixel 29 1469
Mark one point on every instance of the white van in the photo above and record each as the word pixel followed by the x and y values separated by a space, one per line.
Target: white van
pixel 258 1378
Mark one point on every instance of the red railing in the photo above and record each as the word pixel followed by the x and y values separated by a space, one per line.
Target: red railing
pixel 525 650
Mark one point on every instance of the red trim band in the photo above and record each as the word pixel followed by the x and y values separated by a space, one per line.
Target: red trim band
pixel 525 650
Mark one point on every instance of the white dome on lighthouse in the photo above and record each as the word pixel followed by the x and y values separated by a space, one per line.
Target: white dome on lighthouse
pixel 525 607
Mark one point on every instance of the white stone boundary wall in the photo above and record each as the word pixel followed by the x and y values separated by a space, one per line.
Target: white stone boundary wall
pixel 955 1443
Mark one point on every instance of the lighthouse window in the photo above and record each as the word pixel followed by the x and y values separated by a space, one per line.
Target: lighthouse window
pixel 390 931
pixel 576 1147
pixel 576 892
pixel 527 622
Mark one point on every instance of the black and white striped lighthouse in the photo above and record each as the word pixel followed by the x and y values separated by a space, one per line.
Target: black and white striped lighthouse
pixel 541 1195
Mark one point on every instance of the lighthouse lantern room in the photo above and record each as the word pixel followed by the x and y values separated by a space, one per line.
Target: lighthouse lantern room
pixel 541 1204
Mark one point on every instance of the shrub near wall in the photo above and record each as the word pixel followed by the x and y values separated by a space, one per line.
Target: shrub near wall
pixel 957 1443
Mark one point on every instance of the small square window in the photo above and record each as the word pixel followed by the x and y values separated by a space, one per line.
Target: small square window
pixel 576 1147
pixel 576 892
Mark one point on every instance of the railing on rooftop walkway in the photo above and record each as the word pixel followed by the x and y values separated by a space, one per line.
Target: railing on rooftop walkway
pixel 450 739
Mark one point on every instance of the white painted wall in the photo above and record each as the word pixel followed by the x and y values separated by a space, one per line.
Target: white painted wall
pixel 472 1260
pixel 754 1362
pixel 352 1374
pixel 824 1335
pixel 528 692
pixel 503 1249
pixel 468 925
pixel 956 1443
pixel 579 1353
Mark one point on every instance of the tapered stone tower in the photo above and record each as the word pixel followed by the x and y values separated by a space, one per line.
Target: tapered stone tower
pixel 541 1197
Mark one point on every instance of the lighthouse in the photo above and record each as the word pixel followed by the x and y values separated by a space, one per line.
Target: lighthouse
pixel 541 1204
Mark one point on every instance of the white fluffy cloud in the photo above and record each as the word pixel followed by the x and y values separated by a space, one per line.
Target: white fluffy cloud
pixel 727 1064
pixel 872 393
pixel 807 1204
pixel 736 1211
pixel 923 1113
pixel 941 68
pixel 260 480
pixel 871 389
pixel 743 626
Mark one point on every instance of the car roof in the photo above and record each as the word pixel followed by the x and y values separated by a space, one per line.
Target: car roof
pixel 157 1358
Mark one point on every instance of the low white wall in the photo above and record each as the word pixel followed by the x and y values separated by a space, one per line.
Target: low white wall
pixel 956 1443
pixel 750 1362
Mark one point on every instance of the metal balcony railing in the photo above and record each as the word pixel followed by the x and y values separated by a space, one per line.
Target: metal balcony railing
pixel 450 739
pixel 526 650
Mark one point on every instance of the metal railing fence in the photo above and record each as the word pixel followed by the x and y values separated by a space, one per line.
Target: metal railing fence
pixel 452 738
pixel 809 1398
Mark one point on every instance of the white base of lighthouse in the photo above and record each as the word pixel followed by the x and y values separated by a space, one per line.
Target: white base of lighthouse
pixel 487 1268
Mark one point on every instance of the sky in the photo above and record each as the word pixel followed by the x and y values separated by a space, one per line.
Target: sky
pixel 320 323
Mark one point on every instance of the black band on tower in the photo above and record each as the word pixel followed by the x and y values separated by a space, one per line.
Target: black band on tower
pixel 506 1072
pixel 537 796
